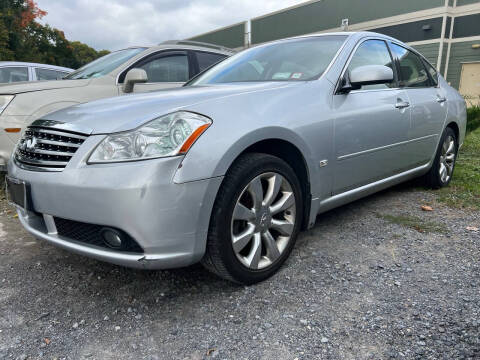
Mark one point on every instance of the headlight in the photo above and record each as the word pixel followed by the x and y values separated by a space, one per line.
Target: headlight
pixel 168 135
pixel 4 101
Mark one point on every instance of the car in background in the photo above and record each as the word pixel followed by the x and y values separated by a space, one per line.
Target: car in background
pixel 135 69
pixel 229 168
pixel 16 71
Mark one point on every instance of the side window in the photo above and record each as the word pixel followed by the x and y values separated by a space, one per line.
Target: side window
pixel 172 68
pixel 206 59
pixel 433 73
pixel 412 70
pixel 372 52
pixel 47 74
pixel 13 74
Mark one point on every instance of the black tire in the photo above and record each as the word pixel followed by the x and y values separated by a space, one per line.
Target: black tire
pixel 433 179
pixel 220 257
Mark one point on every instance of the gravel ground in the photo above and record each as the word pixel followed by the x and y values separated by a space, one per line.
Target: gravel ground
pixel 363 284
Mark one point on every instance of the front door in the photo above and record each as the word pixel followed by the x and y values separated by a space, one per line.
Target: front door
pixel 164 70
pixel 371 125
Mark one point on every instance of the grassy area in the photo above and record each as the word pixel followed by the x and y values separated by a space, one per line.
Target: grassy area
pixel 464 190
pixel 473 116
pixel 414 222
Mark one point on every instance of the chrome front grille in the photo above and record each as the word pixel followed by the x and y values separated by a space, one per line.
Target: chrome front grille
pixel 44 148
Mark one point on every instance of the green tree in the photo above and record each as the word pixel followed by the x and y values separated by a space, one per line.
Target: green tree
pixel 22 38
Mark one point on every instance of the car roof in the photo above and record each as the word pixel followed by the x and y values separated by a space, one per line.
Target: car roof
pixel 45 66
pixel 186 45
pixel 349 34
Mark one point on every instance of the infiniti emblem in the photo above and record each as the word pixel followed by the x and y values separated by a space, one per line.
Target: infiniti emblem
pixel 30 144
pixel 263 220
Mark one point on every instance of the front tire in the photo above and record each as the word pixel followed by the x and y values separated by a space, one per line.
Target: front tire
pixel 441 172
pixel 255 220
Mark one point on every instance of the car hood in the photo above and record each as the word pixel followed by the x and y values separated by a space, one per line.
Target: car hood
pixel 29 86
pixel 127 112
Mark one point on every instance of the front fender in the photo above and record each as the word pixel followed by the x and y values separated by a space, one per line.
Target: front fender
pixel 213 155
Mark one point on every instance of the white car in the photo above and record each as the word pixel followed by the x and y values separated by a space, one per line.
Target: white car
pixel 135 69
pixel 16 71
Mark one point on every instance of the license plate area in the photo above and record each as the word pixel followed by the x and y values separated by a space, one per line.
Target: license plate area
pixel 17 192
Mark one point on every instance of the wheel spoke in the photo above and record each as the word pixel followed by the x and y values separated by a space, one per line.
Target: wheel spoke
pixel 256 190
pixel 255 255
pixel 450 157
pixel 284 227
pixel 443 172
pixel 241 240
pixel 241 212
pixel 451 147
pixel 449 167
pixel 285 202
pixel 274 184
pixel 444 147
pixel 271 245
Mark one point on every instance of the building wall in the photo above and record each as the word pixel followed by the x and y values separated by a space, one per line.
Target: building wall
pixel 430 51
pixel 232 36
pixel 461 52
pixel 413 31
pixel 443 34
pixel 327 14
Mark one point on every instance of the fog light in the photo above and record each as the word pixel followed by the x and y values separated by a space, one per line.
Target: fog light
pixel 112 238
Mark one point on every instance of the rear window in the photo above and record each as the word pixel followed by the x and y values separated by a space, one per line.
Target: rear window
pixel 205 59
pixel 48 74
pixel 412 69
pixel 433 73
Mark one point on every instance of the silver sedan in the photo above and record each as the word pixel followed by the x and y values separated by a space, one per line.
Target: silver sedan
pixel 228 169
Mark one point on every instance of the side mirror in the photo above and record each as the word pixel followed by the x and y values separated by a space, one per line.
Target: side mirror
pixel 133 77
pixel 366 75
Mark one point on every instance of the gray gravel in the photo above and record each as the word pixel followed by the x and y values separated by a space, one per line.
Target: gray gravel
pixel 357 286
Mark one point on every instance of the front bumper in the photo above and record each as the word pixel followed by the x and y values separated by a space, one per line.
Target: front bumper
pixel 169 221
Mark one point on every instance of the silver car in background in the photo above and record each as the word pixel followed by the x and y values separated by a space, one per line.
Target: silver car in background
pixel 135 69
pixel 228 169
pixel 17 71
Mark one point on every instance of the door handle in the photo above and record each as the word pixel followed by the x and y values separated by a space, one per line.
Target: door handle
pixel 402 104
pixel 441 99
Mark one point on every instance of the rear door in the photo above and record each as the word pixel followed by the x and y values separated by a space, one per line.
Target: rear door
pixel 371 125
pixel 427 100
pixel 43 74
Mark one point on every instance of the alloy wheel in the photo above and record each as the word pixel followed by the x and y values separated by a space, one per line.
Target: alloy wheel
pixel 263 220
pixel 447 159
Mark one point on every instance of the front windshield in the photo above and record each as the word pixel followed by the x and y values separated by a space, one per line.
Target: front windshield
pixel 105 64
pixel 288 60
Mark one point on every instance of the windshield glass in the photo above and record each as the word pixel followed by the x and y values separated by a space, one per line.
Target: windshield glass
pixel 105 64
pixel 289 60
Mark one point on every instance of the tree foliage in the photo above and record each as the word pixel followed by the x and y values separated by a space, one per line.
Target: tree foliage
pixel 23 38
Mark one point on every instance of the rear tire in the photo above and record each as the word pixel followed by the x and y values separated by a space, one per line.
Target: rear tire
pixel 255 219
pixel 441 172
